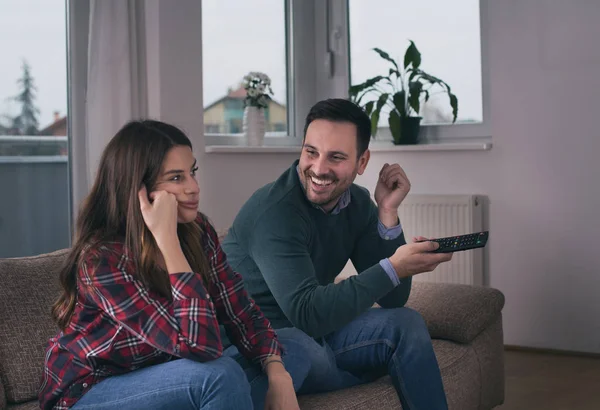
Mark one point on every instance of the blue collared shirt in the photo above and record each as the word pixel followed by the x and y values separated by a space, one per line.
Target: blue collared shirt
pixel 385 233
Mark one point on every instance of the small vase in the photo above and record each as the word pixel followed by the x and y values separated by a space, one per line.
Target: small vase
pixel 254 126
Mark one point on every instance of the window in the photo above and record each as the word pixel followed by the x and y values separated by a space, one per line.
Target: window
pixel 447 35
pixel 316 49
pixel 240 37
pixel 33 128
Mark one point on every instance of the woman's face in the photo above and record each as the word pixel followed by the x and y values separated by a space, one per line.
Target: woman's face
pixel 178 177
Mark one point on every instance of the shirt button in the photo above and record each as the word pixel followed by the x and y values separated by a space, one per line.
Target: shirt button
pixel 85 385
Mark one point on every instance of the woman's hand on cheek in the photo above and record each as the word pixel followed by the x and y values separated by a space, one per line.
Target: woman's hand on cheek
pixel 159 210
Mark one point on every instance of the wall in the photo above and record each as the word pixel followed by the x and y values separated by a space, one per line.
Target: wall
pixel 541 176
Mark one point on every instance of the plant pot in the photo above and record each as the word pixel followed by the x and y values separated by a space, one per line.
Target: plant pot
pixel 409 131
pixel 254 126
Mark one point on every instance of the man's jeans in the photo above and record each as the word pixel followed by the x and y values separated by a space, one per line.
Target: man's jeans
pixel 230 382
pixel 294 344
pixel 379 342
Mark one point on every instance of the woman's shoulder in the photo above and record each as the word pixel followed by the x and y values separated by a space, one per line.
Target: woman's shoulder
pixel 206 227
pixel 104 250
pixel 209 237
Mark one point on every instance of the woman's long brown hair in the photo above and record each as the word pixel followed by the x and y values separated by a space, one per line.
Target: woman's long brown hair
pixel 111 212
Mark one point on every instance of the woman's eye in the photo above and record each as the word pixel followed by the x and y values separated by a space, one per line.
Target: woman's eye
pixel 176 178
pixel 194 171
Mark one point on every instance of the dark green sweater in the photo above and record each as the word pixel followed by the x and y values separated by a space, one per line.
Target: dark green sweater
pixel 289 253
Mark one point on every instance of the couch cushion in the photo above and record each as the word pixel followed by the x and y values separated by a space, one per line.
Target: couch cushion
pixel 2 396
pixel 28 287
pixel 30 405
pixel 460 374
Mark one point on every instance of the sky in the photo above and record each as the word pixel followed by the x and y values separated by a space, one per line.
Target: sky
pixel 241 36
pixel 34 30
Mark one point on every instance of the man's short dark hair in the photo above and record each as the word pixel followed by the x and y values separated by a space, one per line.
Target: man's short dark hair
pixel 342 110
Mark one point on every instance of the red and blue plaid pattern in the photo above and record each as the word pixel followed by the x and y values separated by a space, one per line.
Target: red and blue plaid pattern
pixel 119 325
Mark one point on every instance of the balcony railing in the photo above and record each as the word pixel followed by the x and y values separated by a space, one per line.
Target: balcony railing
pixel 34 195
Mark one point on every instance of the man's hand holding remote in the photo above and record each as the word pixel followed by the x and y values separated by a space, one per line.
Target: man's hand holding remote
pixel 417 257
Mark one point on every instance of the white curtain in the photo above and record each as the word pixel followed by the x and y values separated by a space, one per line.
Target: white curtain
pixel 113 76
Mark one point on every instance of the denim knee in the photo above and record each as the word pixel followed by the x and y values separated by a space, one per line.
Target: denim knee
pixel 407 322
pixel 297 346
pixel 297 343
pixel 225 377
pixel 308 350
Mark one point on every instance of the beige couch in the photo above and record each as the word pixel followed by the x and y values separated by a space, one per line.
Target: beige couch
pixel 465 324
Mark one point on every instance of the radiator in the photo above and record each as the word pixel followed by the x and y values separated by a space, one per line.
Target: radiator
pixel 436 216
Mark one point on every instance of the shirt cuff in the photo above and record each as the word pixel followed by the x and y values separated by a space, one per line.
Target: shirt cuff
pixel 389 233
pixel 389 269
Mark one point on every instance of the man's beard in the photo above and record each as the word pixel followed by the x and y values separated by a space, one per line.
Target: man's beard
pixel 320 200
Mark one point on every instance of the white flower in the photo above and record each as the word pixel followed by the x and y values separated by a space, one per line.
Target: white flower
pixel 257 86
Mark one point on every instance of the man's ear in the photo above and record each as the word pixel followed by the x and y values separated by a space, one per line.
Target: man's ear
pixel 363 161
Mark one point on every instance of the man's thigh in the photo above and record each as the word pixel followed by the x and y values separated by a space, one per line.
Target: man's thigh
pixel 323 373
pixel 364 346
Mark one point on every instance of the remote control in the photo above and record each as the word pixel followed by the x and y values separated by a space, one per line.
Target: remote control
pixel 461 242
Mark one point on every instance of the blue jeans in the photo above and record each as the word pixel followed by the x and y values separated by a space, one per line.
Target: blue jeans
pixel 178 384
pixel 230 382
pixel 294 343
pixel 379 342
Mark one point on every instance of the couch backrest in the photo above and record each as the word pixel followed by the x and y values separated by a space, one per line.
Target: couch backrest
pixel 28 288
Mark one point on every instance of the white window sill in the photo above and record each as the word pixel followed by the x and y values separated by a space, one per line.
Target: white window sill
pixel 469 144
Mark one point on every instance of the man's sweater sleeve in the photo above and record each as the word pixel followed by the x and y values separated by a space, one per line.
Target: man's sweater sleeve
pixel 280 248
pixel 370 249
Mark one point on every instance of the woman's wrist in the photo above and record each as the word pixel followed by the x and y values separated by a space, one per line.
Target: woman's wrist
pixel 274 366
pixel 175 259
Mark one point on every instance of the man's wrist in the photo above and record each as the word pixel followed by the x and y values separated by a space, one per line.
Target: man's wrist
pixel 389 218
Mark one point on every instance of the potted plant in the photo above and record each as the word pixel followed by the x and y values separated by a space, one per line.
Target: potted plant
pixel 410 87
pixel 258 88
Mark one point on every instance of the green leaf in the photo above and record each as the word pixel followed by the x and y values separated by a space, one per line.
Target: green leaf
pixel 369 107
pixel 454 105
pixel 387 57
pixel 395 128
pixel 375 115
pixel 355 89
pixel 400 103
pixel 429 78
pixel 413 74
pixel 392 71
pixel 412 56
pixel 414 95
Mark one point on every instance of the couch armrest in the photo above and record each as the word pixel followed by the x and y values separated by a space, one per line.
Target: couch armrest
pixel 455 312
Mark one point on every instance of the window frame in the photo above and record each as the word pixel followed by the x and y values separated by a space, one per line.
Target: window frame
pixel 322 28
pixel 443 132
pixel 300 42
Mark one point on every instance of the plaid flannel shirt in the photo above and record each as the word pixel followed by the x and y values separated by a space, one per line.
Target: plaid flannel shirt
pixel 119 325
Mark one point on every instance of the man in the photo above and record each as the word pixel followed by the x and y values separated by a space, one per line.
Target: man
pixel 294 236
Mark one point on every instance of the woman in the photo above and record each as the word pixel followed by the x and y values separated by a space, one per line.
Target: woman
pixel 145 288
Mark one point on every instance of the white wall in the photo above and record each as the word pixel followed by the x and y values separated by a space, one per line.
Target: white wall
pixel 541 176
